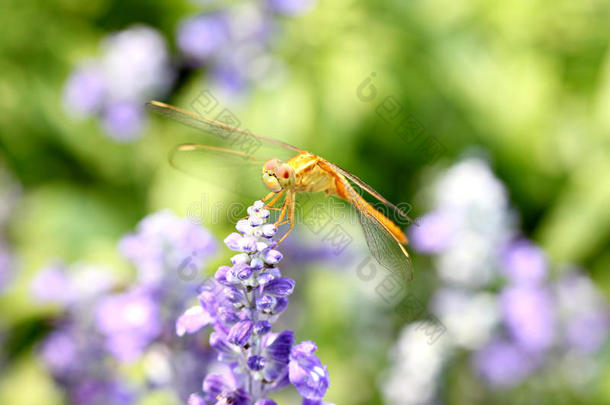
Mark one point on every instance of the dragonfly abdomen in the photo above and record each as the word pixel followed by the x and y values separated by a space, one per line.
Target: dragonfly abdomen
pixel 360 203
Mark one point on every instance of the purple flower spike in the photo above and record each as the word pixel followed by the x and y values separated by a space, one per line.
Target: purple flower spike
pixel 307 373
pixel 240 333
pixel 241 303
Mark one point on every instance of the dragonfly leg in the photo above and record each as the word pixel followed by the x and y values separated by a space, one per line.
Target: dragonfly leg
pixel 290 219
pixel 274 200
pixel 282 212
pixel 268 196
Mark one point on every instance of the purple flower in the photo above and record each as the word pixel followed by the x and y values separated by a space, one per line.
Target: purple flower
pixel 85 91
pixel 524 263
pixel 281 287
pixel 307 373
pixel 529 316
pixel 162 244
pixel 435 232
pixel 588 332
pixel 241 303
pixel 272 256
pixel 123 121
pixel 59 351
pixel 134 67
pixel 52 285
pixel 200 37
pixel 192 320
pixel 291 7
pixel 129 321
pixel 503 364
pixel 256 363
pixel 219 390
pixel 265 402
pixel 277 353
pixel 240 333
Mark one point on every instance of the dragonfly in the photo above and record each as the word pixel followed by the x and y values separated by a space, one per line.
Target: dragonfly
pixel 288 171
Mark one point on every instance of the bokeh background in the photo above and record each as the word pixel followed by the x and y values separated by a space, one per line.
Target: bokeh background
pixel 492 120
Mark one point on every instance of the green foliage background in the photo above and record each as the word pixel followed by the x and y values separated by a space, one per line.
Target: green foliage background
pixel 526 82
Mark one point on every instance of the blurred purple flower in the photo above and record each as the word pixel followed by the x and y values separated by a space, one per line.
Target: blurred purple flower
pixel 291 7
pixel 435 232
pixel 134 67
pixel 59 351
pixel 228 79
pixel 55 284
pixel 129 321
pixel 136 64
pixel 503 364
pixel 6 266
pixel 529 315
pixel 85 91
pixel 201 37
pixel 525 263
pixel 589 332
pixel 123 121
pixel 584 312
pixel 52 284
pixel 161 244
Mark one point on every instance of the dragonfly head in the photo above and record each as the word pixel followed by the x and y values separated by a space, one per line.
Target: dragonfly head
pixel 278 175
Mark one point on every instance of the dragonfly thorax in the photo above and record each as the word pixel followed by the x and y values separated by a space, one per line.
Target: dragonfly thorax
pixel 278 175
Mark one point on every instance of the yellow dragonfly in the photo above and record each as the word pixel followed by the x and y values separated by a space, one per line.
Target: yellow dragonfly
pixel 288 171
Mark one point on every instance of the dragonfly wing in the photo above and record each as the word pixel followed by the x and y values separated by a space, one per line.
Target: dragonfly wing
pixel 402 215
pixel 232 170
pixel 385 248
pixel 217 133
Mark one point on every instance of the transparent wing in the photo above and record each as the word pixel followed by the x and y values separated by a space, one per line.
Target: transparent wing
pixel 229 169
pixel 384 246
pixel 401 214
pixel 217 133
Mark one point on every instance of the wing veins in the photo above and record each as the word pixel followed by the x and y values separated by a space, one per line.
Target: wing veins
pixel 208 125
pixel 370 190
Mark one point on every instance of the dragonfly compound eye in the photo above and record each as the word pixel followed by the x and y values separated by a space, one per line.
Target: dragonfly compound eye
pixel 271 165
